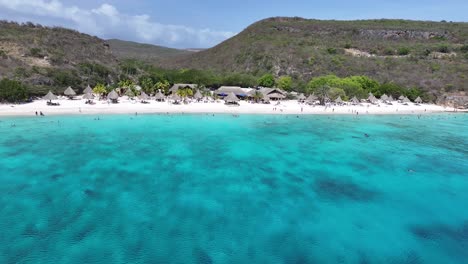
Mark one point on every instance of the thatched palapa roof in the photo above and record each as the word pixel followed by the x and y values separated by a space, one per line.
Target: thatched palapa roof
pixel 113 95
pixel 69 92
pixel 88 96
pixel 159 96
pixel 143 96
pixel 176 97
pixel 384 97
pixel 301 97
pixel 354 100
pixel 50 96
pixel 418 100
pixel 88 89
pixel 339 100
pixel 231 98
pixel 198 95
pixel 406 100
pixel 231 89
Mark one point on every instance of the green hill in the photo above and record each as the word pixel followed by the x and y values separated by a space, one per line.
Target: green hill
pixel 145 52
pixel 429 55
pixel 53 58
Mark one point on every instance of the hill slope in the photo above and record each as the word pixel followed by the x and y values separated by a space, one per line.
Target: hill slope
pixel 145 52
pixel 53 58
pixel 430 55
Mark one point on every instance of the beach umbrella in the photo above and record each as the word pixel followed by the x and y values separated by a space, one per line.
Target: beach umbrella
pixel 231 98
pixel 384 97
pixel 198 95
pixel 176 97
pixel 113 95
pixel 88 96
pixel 143 96
pixel 88 89
pixel 69 92
pixel 406 100
pixel 339 100
pixel 354 100
pixel 159 96
pixel 390 98
pixel 50 96
pixel 418 100
pixel 372 98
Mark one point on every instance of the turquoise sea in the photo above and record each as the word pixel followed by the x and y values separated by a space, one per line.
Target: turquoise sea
pixel 221 189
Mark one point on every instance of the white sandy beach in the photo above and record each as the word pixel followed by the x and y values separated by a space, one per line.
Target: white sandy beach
pixel 125 106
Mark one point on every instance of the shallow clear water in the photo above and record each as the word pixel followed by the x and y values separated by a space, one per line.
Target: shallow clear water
pixel 219 189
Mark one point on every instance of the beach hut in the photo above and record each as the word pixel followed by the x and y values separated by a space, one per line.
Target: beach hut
pixel 49 97
pixel 143 97
pixel 354 101
pixel 339 101
pixel 418 100
pixel 198 96
pixel 113 96
pixel 401 98
pixel 69 92
pixel 159 97
pixel 406 100
pixel 88 89
pixel 384 98
pixel 372 99
pixel 231 98
pixel 390 98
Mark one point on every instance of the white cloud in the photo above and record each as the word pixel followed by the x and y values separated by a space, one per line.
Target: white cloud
pixel 107 22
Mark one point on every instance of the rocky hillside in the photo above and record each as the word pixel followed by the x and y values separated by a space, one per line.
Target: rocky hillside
pixel 430 55
pixel 53 58
pixel 144 52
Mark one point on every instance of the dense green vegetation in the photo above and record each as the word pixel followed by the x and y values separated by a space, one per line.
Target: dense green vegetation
pixel 399 57
pixel 400 51
pixel 361 86
pixel 12 91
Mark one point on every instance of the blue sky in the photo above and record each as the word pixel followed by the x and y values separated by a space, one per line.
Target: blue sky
pixel 194 24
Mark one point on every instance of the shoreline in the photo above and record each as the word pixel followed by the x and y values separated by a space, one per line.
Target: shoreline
pixel 78 107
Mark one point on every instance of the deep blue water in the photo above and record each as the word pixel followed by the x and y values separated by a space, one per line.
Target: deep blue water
pixel 219 189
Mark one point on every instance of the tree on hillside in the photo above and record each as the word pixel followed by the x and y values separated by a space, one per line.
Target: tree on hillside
pixel 12 91
pixel 162 85
pixel 266 80
pixel 285 83
pixel 147 85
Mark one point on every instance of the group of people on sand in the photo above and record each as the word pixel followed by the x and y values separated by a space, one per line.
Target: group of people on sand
pixel 39 114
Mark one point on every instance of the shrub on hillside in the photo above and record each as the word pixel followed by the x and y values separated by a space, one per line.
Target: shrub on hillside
pixel 443 49
pixel 36 52
pixel 403 51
